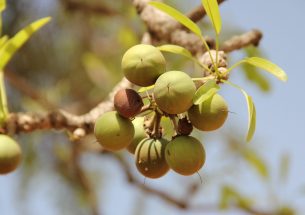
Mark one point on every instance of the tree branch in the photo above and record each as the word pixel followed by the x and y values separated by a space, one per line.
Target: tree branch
pixel 89 8
pixel 199 12
pixel 252 37
pixel 60 119
pixel 183 203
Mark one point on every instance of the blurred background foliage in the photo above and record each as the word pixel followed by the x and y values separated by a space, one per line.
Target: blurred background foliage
pixel 73 63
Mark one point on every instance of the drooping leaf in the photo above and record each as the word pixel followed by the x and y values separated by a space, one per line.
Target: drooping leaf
pixel 268 66
pixel 205 92
pixel 230 196
pixel 286 210
pixel 251 111
pixel 2 5
pixel 176 50
pixel 252 73
pixel 256 162
pixel 3 40
pixel 12 45
pixel 3 100
pixel 143 89
pixel 284 166
pixel 212 10
pixel 251 116
pixel 184 20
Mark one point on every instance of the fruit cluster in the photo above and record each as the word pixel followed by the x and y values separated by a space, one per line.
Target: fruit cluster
pixel 136 126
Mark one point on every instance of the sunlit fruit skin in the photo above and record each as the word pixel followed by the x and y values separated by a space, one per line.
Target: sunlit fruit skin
pixel 10 154
pixel 150 158
pixel 142 64
pixel 128 103
pixel 174 92
pixel 185 155
pixel 209 115
pixel 113 131
pixel 139 134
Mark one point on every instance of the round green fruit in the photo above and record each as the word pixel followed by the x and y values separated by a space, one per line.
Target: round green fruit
pixel 10 154
pixel 210 114
pixel 139 134
pixel 185 155
pixel 113 131
pixel 150 158
pixel 174 91
pixel 142 64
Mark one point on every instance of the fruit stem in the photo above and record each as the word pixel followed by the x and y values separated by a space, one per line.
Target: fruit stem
pixel 156 129
pixel 202 81
pixel 145 108
pixel 173 119
pixel 149 125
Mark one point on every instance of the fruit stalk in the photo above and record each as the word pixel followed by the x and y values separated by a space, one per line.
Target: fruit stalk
pixel 156 133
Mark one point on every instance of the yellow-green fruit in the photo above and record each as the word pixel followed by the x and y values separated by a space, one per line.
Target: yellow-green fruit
pixel 185 155
pixel 150 158
pixel 10 154
pixel 113 131
pixel 174 91
pixel 139 134
pixel 142 64
pixel 209 115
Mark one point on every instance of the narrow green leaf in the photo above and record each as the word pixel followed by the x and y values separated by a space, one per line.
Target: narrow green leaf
pixel 284 166
pixel 252 73
pixel 2 8
pixel 212 10
pixel 176 50
pixel 143 89
pixel 268 66
pixel 11 46
pixel 3 40
pixel 3 100
pixel 256 162
pixel 229 196
pixel 2 5
pixel 254 76
pixel 251 111
pixel 251 115
pixel 205 92
pixel 184 20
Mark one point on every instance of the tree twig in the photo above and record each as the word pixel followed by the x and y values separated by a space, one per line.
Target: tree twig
pixel 199 12
pixel 252 37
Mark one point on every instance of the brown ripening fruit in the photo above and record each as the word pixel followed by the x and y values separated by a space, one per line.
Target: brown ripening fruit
pixel 185 155
pixel 128 103
pixel 142 64
pixel 184 126
pixel 10 154
pixel 210 114
pixel 174 91
pixel 150 158
pixel 139 135
pixel 113 131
